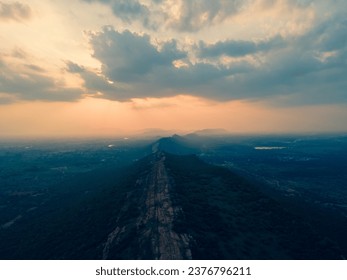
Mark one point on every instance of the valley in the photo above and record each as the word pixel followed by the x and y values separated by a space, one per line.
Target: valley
pixel 179 197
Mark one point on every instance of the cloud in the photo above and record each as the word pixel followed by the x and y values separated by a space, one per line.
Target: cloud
pixel 134 67
pixel 234 48
pixel 15 11
pixel 330 35
pixel 94 84
pixel 6 99
pixel 310 68
pixel 129 11
pixel 129 57
pixel 74 68
pixel 190 16
pixel 194 15
pixel 179 15
pixel 34 68
pixel 31 82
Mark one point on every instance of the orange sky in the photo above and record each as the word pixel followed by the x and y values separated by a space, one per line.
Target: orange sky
pixel 102 118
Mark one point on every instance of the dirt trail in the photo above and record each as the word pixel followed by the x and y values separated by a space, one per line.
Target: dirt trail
pixel 154 225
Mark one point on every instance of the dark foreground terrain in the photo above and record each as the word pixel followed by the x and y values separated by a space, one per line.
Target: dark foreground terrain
pixel 191 197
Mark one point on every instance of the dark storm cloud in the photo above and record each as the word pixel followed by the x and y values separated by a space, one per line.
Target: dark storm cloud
pixel 14 11
pixel 33 85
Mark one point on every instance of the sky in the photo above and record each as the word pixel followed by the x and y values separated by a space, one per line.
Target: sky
pixel 115 67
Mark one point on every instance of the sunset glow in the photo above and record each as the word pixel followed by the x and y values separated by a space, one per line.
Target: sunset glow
pixel 107 68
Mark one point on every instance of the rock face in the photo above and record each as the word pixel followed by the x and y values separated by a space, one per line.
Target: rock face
pixel 151 234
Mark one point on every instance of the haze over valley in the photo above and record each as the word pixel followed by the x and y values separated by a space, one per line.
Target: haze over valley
pixel 197 196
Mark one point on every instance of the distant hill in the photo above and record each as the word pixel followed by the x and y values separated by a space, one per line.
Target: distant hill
pixel 154 132
pixel 210 132
pixel 175 145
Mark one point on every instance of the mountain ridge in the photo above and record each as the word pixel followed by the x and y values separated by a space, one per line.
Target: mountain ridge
pixel 153 227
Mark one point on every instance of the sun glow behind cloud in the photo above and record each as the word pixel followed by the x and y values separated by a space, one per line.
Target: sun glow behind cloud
pixel 90 67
